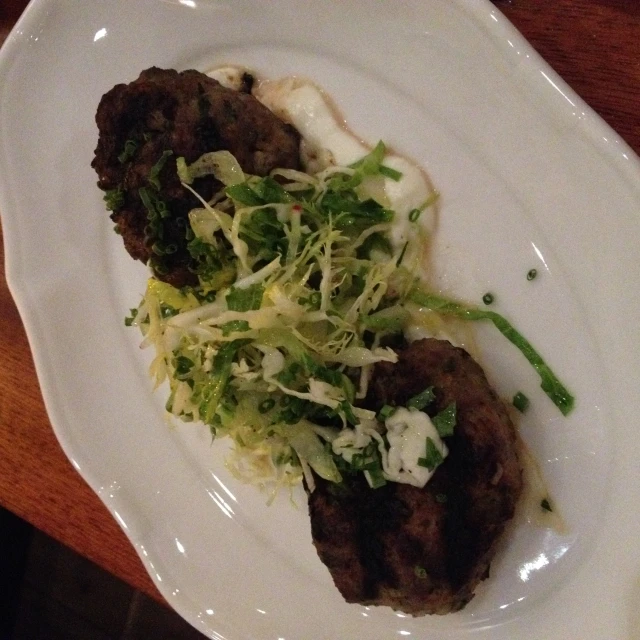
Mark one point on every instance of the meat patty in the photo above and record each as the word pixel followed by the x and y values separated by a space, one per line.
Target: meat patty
pixel 171 114
pixel 425 550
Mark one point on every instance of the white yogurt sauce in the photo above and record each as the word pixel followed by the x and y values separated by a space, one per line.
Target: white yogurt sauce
pixel 407 432
pixel 327 141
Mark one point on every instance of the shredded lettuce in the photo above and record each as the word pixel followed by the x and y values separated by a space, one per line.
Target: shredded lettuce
pixel 298 285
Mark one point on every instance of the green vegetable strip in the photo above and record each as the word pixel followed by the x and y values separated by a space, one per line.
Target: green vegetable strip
pixel 388 172
pixel 221 372
pixel 551 385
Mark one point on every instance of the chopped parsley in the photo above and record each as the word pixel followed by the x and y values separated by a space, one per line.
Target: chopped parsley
pixel 248 299
pixel 421 400
pixel 445 421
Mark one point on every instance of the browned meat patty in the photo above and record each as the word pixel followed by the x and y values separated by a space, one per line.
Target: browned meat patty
pixel 425 550
pixel 186 114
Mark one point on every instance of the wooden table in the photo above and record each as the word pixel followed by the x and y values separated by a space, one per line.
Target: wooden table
pixel 593 44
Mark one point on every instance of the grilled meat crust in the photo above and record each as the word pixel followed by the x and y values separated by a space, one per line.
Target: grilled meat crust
pixel 425 550
pixel 189 114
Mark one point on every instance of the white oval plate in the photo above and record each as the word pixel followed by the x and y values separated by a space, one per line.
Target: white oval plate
pixel 530 177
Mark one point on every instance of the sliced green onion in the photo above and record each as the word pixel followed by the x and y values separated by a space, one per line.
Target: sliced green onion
pixel 130 147
pixel 388 172
pixel 488 298
pixel 114 199
pixel 389 319
pixel 154 173
pixel 221 371
pixel 401 257
pixel 386 412
pixel 414 214
pixel 432 458
pixel 550 383
pixel 520 402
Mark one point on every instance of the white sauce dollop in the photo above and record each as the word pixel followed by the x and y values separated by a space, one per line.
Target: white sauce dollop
pixel 327 141
pixel 407 432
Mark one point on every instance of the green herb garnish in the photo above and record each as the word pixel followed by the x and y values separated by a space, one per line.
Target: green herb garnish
pixel 114 199
pixel 130 148
pixel 421 400
pixel 445 421
pixel 247 299
pixel 550 384
pixel 234 326
pixel 154 173
pixel 520 402
pixel 386 412
pixel 432 457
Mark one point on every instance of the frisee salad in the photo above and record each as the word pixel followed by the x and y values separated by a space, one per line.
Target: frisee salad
pixel 300 289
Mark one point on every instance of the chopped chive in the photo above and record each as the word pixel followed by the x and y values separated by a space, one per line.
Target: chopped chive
pixel 266 405
pixel 315 300
pixel 401 258
pixel 546 505
pixel 154 173
pixel 520 402
pixel 532 274
pixel 386 412
pixel 488 298
pixel 114 199
pixel 130 147
pixel 388 172
pixel 432 457
pixel 414 214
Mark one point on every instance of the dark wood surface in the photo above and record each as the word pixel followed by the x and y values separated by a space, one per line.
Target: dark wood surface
pixel 593 44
